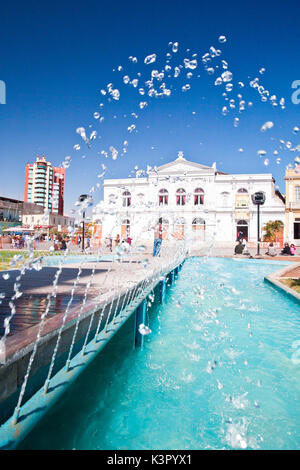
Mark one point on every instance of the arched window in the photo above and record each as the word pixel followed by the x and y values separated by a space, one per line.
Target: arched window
pixel 140 199
pixel 180 197
pixel 125 228
pixel 163 197
pixel 242 198
pixel 198 227
pixel 126 199
pixel 179 226
pixel 198 196
pixel 164 228
pixel 198 224
pixel 112 198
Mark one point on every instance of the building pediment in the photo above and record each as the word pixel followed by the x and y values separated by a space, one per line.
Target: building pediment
pixel 181 166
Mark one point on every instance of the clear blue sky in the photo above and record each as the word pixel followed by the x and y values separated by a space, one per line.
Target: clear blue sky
pixel 56 56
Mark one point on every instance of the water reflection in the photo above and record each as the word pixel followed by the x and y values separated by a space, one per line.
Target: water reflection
pixel 29 309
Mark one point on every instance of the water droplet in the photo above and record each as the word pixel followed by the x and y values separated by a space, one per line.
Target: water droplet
pixel 175 47
pixel 224 110
pixel 176 72
pixel 114 152
pixel 144 330
pixel 150 59
pixel 222 39
pixel 226 76
pixel 131 128
pixel 190 64
pixel 267 125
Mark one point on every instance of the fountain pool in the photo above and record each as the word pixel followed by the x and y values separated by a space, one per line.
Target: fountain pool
pixel 220 370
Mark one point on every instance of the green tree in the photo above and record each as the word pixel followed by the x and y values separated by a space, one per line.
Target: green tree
pixel 271 229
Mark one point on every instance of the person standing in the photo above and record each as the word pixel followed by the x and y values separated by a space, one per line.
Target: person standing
pixel 239 236
pixel 157 238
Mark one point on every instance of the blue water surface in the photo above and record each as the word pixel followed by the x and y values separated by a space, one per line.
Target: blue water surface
pixel 220 370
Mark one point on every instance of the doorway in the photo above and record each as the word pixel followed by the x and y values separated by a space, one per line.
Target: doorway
pixel 242 227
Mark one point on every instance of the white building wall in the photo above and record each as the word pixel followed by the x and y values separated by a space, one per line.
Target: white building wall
pixel 47 220
pixel 219 210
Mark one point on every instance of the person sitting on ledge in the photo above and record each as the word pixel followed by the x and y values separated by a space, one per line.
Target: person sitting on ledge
pixel 292 249
pixel 271 250
pixel 286 250
pixel 246 252
pixel 238 250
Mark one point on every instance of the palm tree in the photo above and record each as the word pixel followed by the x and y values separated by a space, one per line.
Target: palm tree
pixel 271 229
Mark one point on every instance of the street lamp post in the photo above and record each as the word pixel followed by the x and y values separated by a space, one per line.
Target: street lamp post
pixel 258 199
pixel 85 200
pixel 83 230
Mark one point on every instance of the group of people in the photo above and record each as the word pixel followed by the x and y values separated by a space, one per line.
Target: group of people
pixel 60 243
pixel 241 249
pixel 18 241
pixel 118 241
pixel 288 250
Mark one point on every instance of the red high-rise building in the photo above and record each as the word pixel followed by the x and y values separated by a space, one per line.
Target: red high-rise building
pixel 45 185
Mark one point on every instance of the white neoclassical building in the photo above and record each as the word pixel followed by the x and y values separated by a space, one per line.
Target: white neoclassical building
pixel 192 199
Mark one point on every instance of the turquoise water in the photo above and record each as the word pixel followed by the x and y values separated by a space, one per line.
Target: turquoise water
pixel 219 371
